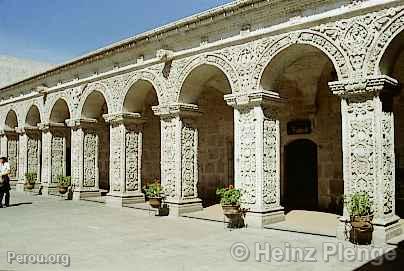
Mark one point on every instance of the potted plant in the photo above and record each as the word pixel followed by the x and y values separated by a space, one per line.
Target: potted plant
pixel 154 193
pixel 63 183
pixel 360 211
pixel 230 202
pixel 31 178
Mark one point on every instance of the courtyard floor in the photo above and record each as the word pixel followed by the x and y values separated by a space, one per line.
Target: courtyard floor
pixel 96 237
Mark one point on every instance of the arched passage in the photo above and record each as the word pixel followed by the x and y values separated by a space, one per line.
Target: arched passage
pixel 59 139
pixel 34 141
pixel 206 86
pixel 140 98
pixel 96 142
pixel 392 64
pixel 301 73
pixel 10 125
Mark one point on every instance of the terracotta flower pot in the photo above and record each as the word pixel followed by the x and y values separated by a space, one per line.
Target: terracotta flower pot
pixel 62 190
pixel 30 186
pixel 234 214
pixel 361 231
pixel 155 202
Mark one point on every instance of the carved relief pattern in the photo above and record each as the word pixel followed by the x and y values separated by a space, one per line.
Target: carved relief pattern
pixel 188 151
pixel 362 147
pixel 116 150
pixel 90 158
pixel 247 139
pixel 32 153
pixel 57 158
pixel 271 172
pixel 132 160
pixel 12 153
pixel 388 24
pixel 168 163
pixel 388 162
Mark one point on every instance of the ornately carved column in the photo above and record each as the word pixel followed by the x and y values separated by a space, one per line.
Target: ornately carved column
pixel 257 155
pixel 22 158
pixel 368 148
pixel 84 145
pixel 179 157
pixel 126 158
pixel 10 150
pixel 3 144
pixel 53 155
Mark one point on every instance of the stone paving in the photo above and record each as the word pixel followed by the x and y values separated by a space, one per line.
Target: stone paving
pixel 97 237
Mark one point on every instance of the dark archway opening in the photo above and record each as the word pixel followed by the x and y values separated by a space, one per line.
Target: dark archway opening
pixel 301 180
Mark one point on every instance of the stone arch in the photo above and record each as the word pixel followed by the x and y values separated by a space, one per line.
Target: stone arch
pixel 143 80
pixel 380 47
pixel 97 91
pixel 211 60
pixel 59 110
pixel 310 38
pixel 11 120
pixel 33 115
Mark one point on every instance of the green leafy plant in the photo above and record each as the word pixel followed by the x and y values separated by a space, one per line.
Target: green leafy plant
pixel 229 195
pixel 64 181
pixel 359 204
pixel 31 177
pixel 153 190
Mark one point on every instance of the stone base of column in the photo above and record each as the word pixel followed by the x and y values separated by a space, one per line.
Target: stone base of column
pixel 386 230
pixel 20 187
pixel 49 189
pixel 78 195
pixel 184 206
pixel 259 220
pixel 382 231
pixel 116 200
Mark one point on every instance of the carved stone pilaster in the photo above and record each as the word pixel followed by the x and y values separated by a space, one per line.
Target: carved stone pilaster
pixel 257 155
pixel 54 136
pixel 10 149
pixel 84 144
pixel 22 158
pixel 126 158
pixel 179 157
pixel 368 148
pixel 3 143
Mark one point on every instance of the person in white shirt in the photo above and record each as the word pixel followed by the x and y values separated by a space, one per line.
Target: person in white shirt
pixel 4 182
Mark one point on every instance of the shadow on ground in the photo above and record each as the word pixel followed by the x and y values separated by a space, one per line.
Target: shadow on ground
pixel 382 262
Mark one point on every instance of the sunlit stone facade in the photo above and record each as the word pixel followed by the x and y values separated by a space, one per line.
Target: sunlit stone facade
pixel 235 95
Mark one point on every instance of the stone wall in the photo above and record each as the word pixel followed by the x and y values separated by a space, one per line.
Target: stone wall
pixel 216 140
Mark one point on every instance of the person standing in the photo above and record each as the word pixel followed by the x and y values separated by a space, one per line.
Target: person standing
pixel 4 182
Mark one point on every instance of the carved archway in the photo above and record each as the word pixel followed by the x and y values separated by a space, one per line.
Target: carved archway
pixel 311 38
pixel 381 45
pixel 146 77
pixel 11 121
pixel 98 91
pixel 208 60
pixel 33 116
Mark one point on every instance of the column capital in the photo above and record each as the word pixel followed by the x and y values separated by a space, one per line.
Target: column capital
pixel 366 86
pixel 124 118
pixel 260 98
pixel 81 123
pixel 177 109
pixel 8 131
pixel 47 126
pixel 27 129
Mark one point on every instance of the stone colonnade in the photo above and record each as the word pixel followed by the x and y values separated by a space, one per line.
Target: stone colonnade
pixel 360 46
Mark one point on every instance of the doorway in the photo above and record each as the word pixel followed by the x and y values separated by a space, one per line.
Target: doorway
pixel 301 182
